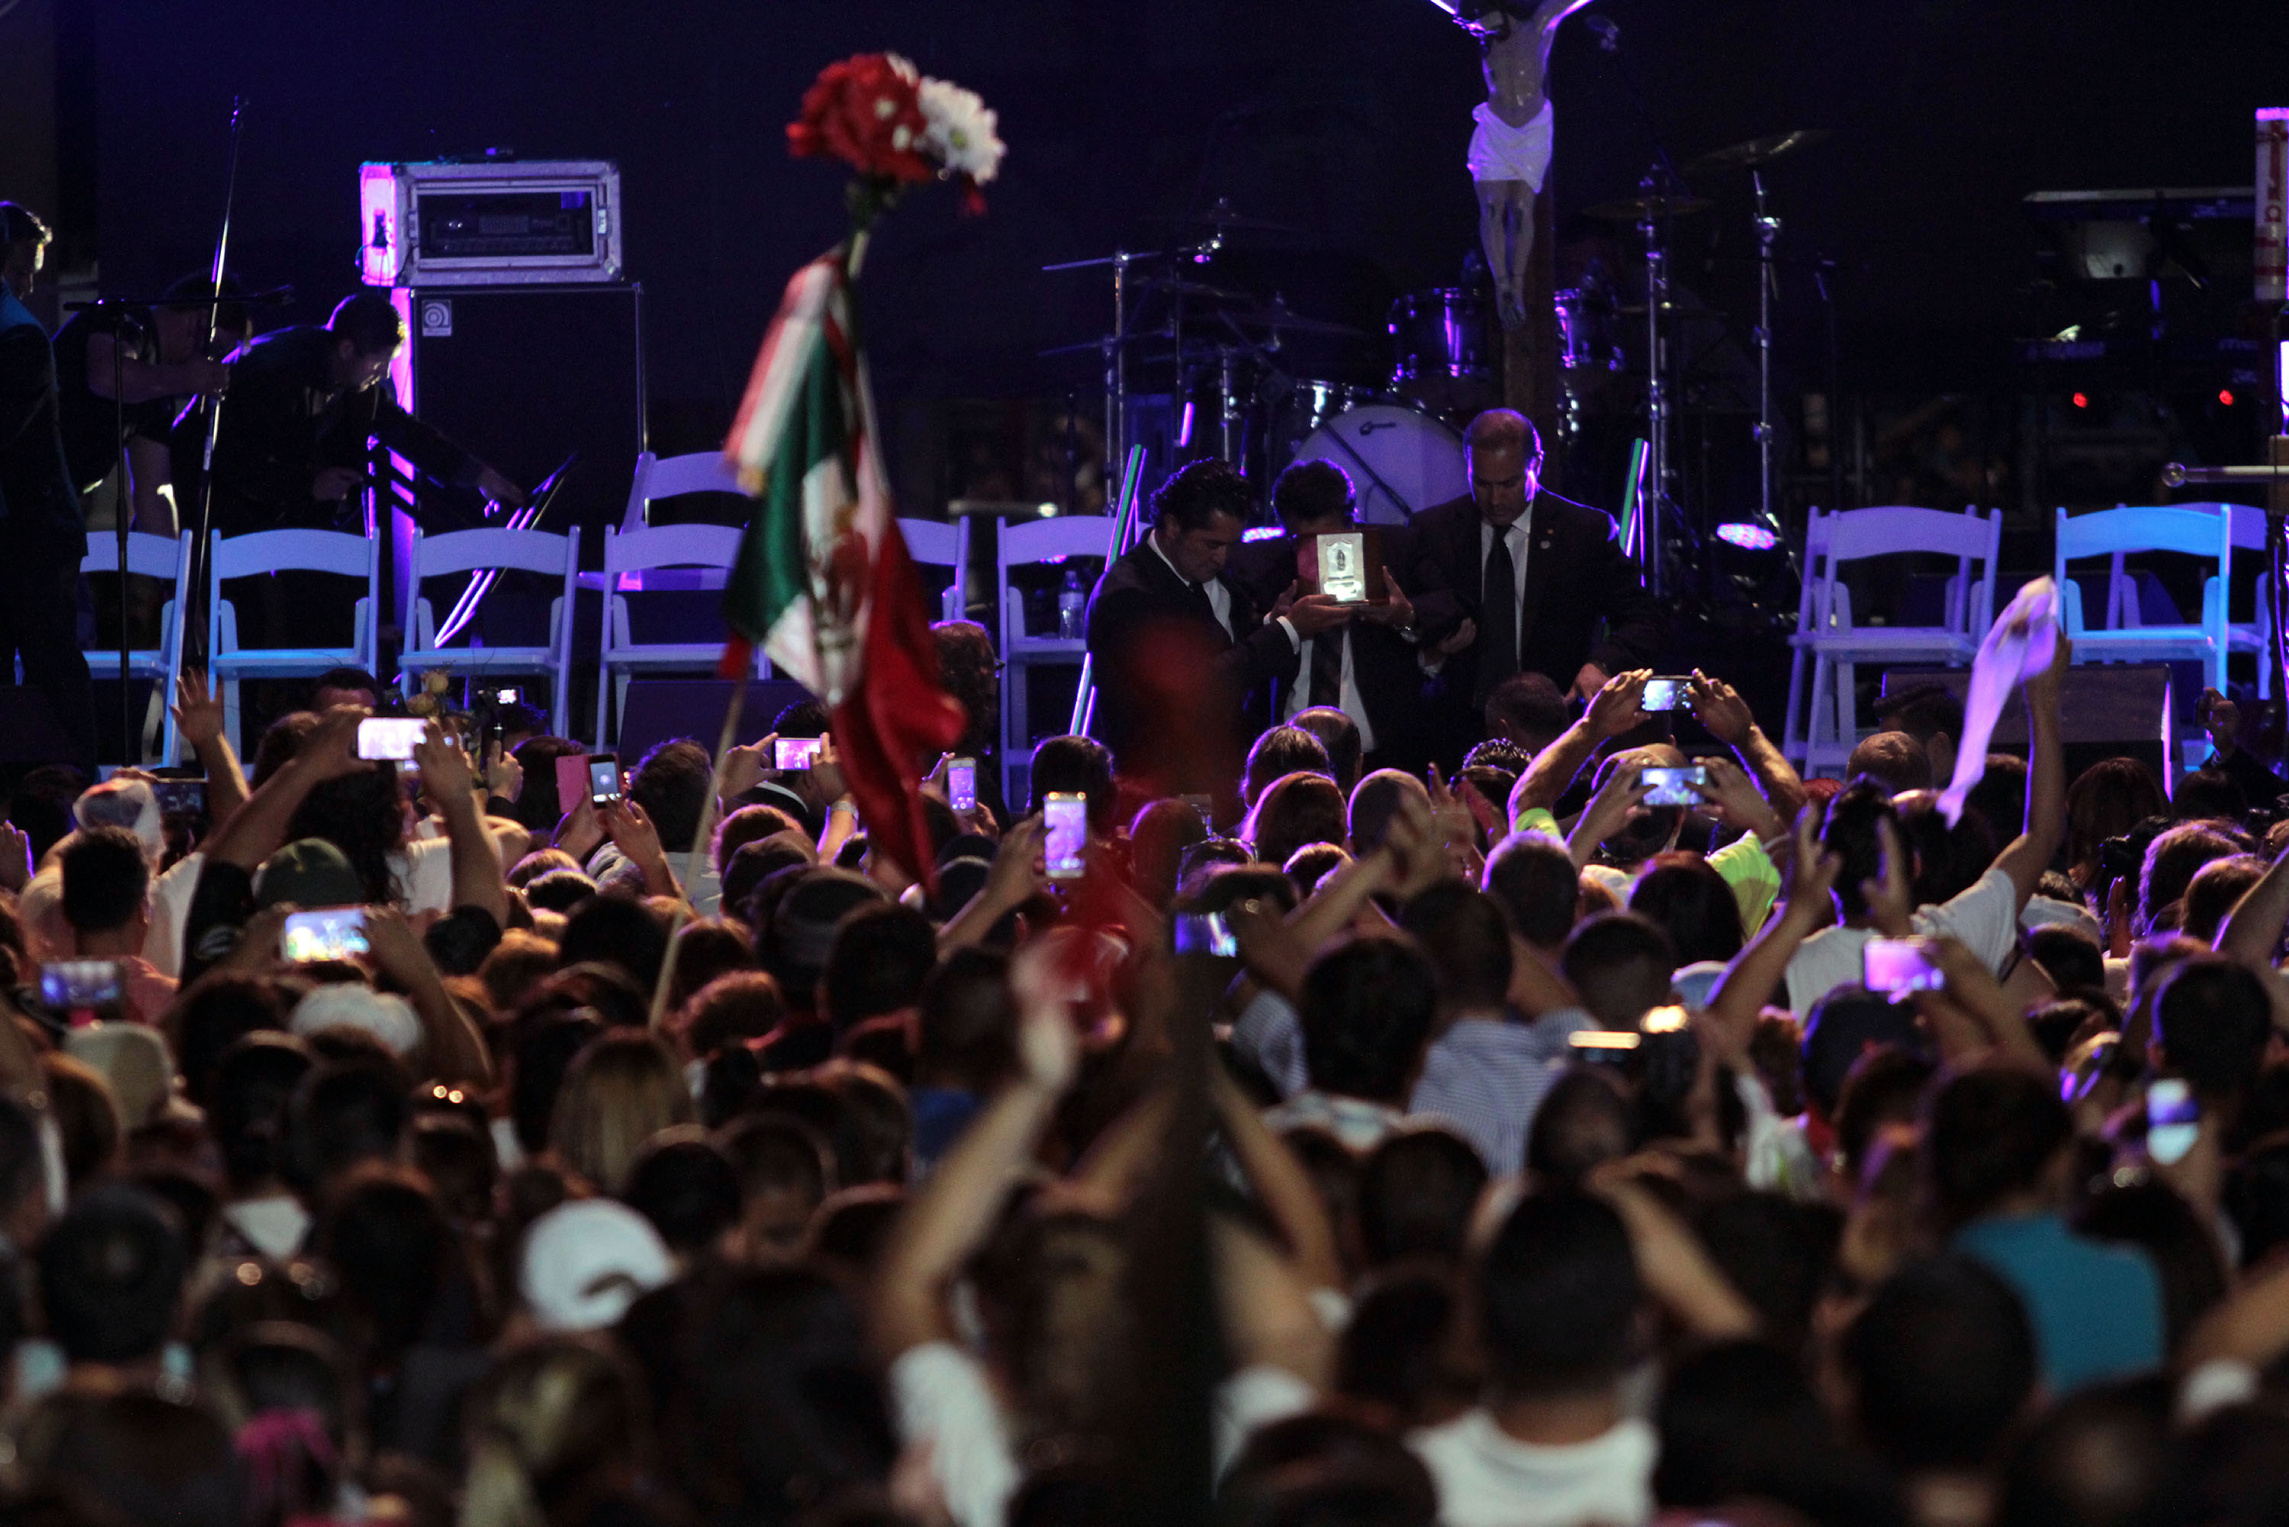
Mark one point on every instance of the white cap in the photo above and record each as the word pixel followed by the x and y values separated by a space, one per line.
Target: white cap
pixel 127 803
pixel 585 1262
pixel 388 1017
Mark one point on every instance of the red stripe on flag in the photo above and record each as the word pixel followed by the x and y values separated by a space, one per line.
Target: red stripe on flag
pixel 738 658
pixel 899 714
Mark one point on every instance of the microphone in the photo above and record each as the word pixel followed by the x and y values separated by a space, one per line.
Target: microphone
pixel 1609 34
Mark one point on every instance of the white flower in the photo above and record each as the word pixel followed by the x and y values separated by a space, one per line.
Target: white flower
pixel 961 131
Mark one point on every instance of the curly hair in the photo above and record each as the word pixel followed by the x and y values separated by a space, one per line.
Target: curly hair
pixel 971 674
pixel 360 815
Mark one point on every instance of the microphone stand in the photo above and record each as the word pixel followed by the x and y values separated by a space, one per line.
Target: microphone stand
pixel 126 496
pixel 195 591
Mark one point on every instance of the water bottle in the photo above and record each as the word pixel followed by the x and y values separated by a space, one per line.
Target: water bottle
pixel 1070 603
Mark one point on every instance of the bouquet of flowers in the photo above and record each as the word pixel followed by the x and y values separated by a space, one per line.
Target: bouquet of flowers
pixel 877 113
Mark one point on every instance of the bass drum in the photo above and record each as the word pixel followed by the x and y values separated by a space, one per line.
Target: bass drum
pixel 1399 460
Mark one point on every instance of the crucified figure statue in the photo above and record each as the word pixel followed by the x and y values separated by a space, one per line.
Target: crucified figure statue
pixel 1510 151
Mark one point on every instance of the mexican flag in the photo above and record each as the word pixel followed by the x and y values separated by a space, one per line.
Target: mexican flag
pixel 823 583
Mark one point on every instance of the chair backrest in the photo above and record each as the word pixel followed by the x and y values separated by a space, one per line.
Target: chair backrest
pixel 1973 538
pixel 1856 533
pixel 935 543
pixel 670 546
pixel 2249 529
pixel 148 556
pixel 313 551
pixel 2197 530
pixel 1067 535
pixel 495 546
pixel 660 477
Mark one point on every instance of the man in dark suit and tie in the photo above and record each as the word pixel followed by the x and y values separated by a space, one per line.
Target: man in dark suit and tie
pixel 1512 579
pixel 1184 659
pixel 1368 667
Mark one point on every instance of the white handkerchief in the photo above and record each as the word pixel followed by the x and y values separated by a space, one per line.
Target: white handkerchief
pixel 2019 645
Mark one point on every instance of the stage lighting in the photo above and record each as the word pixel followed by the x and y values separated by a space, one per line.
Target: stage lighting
pixel 2082 400
pixel 1748 536
pixel 2225 396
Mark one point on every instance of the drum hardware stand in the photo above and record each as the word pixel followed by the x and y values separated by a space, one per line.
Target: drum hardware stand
pixel 1768 293
pixel 1656 390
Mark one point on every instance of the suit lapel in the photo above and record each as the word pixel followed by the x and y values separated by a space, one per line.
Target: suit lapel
pixel 1541 537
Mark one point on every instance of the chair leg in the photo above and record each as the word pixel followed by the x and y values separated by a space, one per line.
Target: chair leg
pixel 1847 681
pixel 231 717
pixel 603 701
pixel 1792 739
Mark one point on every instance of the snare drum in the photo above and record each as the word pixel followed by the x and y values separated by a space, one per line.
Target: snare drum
pixel 1439 333
pixel 1399 460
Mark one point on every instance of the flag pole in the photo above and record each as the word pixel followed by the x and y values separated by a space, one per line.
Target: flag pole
pixel 695 859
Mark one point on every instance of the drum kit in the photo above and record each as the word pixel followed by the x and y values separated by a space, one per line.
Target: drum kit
pixel 1198 363
pixel 1198 367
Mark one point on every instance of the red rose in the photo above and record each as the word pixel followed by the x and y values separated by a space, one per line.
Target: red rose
pixel 867 113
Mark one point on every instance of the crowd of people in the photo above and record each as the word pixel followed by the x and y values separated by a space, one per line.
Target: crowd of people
pixel 1379 1149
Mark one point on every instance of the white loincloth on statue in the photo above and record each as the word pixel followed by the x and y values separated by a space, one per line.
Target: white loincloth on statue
pixel 1499 151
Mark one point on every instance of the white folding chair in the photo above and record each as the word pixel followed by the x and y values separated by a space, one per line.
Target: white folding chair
pixel 1830 644
pixel 2203 531
pixel 2257 635
pixel 272 551
pixel 148 556
pixel 708 549
pixel 1020 543
pixel 659 477
pixel 494 549
pixel 942 543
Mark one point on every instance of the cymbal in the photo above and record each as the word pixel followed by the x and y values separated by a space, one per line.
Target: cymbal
pixel 1278 316
pixel 1756 151
pixel 1635 209
pixel 1220 217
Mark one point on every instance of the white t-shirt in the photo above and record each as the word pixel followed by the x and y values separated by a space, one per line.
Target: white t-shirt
pixel 1985 919
pixel 939 1394
pixel 1487 1478
pixel 170 910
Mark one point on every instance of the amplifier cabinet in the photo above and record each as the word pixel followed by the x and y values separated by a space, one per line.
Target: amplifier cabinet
pixel 495 223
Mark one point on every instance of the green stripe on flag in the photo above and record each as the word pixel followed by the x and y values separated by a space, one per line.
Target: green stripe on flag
pixel 773 570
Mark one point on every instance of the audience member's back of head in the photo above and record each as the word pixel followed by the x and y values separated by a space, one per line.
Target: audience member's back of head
pixel 1075 766
pixel 671 785
pixel 2214 890
pixel 111 1275
pixel 2172 861
pixel 124 1457
pixel 345 1114
pixel 1375 801
pixel 1558 1291
pixel 1840 1028
pixel 614 930
pixel 1292 811
pixel 2212 1023
pixel 1685 897
pixel 1941 1363
pixel 1416 1192
pixel 968 1029
pixel 1337 733
pixel 1895 759
pixel 390 1245
pixel 1529 710
pixel 1279 752
pixel 877 963
pixel 1583 1122
pixel 624 1087
pixel 1739 1421
pixel 2107 800
pixel 1365 1011
pixel 2101 1457
pixel 2069 956
pixel 546 1041
pixel 1325 1470
pixel 684 1184
pixel 1621 965
pixel 1990 1133
pixel 247 1109
pixel 1464 935
pixel 1158 836
pixel 795 942
pixel 1538 885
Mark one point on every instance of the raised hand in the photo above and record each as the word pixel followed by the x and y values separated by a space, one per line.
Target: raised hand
pixel 15 857
pixel 1720 708
pixel 198 712
pixel 1615 709
pixel 504 776
pixel 1735 796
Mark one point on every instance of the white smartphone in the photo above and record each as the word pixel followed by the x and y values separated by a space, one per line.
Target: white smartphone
pixel 330 933
pixel 1674 787
pixel 1066 816
pixel 389 739
pixel 1899 966
pixel 962 783
pixel 1205 933
pixel 795 752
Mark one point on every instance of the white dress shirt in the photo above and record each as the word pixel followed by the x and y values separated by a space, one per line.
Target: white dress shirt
pixel 1347 693
pixel 1515 539
pixel 1220 598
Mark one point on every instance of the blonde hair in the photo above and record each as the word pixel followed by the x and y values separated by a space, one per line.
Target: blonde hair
pixel 621 1090
pixel 547 1419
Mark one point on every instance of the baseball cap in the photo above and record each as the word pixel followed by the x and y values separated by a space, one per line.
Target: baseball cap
pixel 585 1262
pixel 309 872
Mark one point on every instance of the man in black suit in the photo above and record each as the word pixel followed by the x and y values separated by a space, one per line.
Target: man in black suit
pixel 1366 668
pixel 1184 659
pixel 1512 579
